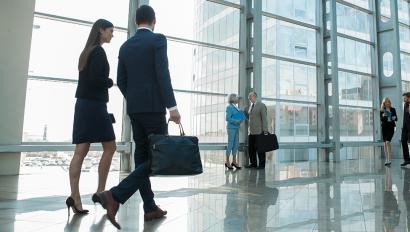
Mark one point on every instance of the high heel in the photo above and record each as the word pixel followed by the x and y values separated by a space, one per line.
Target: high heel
pixel 229 167
pixel 71 204
pixel 236 166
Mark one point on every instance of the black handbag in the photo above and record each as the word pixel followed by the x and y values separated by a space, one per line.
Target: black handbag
pixel 174 155
pixel 112 118
pixel 266 142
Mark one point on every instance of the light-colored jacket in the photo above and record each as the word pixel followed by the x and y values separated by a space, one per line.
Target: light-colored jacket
pixel 258 118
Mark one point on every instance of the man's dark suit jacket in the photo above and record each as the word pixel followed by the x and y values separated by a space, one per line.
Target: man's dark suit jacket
pixel 406 120
pixel 143 76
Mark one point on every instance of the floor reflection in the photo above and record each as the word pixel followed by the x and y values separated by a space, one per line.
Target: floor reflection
pixel 391 212
pixel 356 194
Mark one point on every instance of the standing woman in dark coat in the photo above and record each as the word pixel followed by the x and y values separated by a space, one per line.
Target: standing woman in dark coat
pixel 388 119
pixel 92 123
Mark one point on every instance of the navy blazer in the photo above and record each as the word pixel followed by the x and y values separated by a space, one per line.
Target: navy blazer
pixel 384 119
pixel 143 76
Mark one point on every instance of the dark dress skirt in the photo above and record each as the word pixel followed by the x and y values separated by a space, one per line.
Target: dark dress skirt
pixel 387 131
pixel 92 123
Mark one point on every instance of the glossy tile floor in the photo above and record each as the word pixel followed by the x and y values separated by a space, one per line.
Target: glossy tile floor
pixel 351 195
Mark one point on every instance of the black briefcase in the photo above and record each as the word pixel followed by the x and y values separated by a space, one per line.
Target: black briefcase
pixel 266 142
pixel 174 155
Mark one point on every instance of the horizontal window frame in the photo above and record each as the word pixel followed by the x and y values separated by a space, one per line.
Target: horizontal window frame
pixel 289 20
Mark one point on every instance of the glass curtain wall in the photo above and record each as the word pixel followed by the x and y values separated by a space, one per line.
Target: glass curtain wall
pixel 404 28
pixel 355 28
pixel 289 69
pixel 60 31
pixel 204 53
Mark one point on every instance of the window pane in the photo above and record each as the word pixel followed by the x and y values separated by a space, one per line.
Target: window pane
pixel 354 55
pixel 355 90
pixel 385 10
pixel 202 116
pixel 56 47
pixel 90 10
pixel 289 40
pixel 292 122
pixel 302 10
pixel 203 69
pixel 291 81
pixel 49 114
pixel 361 3
pixel 403 6
pixel 356 124
pixel 200 20
pixel 404 38
pixel 405 86
pixel 353 22
pixel 405 67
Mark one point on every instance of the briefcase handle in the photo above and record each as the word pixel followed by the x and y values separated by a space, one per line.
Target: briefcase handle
pixel 181 129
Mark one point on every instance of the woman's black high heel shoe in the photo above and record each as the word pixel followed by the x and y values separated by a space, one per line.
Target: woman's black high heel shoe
pixel 71 204
pixel 236 166
pixel 229 167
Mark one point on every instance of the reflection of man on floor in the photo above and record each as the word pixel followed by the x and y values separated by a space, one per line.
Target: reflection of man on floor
pixel 406 194
pixel 234 211
pixel 259 199
pixel 391 213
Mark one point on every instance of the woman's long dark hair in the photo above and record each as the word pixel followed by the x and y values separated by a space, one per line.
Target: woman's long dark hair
pixel 93 41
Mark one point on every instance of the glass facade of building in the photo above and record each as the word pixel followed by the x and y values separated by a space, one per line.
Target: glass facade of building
pixel 204 50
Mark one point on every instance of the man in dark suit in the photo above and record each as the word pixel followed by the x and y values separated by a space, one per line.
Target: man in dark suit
pixel 406 129
pixel 144 80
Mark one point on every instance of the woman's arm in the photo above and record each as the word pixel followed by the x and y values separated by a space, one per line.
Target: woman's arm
pixel 229 114
pixel 383 118
pixel 97 74
pixel 394 114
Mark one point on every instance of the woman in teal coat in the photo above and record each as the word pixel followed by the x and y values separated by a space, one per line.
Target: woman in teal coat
pixel 234 118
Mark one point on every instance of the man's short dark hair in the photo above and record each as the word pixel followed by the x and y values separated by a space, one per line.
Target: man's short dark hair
pixel 407 94
pixel 145 14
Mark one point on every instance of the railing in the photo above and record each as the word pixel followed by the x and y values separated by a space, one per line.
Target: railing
pixel 125 147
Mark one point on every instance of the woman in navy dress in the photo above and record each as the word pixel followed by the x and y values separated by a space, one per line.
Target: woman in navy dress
pixel 388 119
pixel 92 123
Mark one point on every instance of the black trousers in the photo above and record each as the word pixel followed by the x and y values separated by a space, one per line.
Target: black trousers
pixel 404 144
pixel 143 125
pixel 252 152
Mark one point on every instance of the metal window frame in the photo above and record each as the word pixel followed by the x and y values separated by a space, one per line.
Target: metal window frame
pixel 73 81
pixel 290 20
pixel 57 146
pixel 250 44
pixel 132 31
pixel 349 37
pixel 306 103
pixel 404 53
pixel 227 3
pixel 358 107
pixel 71 20
pixel 290 60
pixel 355 72
pixel 354 6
